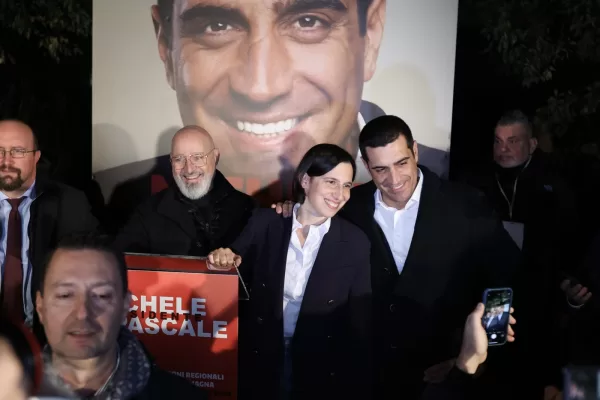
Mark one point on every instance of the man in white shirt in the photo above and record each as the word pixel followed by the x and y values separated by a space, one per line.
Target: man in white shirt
pixel 436 246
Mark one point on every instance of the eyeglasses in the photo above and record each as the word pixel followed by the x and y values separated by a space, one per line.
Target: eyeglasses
pixel 15 153
pixel 196 159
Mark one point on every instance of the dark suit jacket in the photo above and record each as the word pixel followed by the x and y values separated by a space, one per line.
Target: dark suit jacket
pixel 459 249
pixel 458 385
pixel 165 223
pixel 331 344
pixel 545 203
pixel 57 211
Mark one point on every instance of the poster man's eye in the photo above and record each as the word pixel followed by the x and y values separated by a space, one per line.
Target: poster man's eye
pixel 217 27
pixel 310 22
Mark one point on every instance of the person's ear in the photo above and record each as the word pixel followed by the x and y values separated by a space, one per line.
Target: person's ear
pixel 39 306
pixel 366 164
pixel 217 156
pixel 415 150
pixel 375 21
pixel 126 305
pixel 533 144
pixel 305 181
pixel 163 36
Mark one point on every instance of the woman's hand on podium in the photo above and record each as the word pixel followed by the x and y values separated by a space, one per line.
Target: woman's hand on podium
pixel 223 260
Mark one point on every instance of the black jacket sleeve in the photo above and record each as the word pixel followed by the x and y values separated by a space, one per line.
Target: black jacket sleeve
pixel 457 386
pixel 134 236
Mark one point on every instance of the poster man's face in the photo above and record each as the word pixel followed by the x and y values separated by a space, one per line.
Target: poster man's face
pixel 270 78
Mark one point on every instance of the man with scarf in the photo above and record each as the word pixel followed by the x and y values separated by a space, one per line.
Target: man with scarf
pixel 200 213
pixel 538 209
pixel 82 301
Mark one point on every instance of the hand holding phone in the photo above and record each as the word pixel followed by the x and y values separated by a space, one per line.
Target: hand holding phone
pixel 496 316
pixel 475 342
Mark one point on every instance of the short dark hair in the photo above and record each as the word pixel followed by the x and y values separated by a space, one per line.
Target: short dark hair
pixel 514 117
pixel 88 241
pixel 381 131
pixel 165 9
pixel 318 161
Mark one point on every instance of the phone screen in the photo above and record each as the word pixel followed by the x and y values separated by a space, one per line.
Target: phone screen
pixel 497 312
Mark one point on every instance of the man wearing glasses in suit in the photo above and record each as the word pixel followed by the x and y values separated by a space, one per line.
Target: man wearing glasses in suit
pixel 35 214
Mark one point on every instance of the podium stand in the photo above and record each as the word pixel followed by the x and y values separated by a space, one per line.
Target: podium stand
pixel 187 318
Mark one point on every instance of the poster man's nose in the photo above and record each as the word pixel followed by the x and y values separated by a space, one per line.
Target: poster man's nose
pixel 265 74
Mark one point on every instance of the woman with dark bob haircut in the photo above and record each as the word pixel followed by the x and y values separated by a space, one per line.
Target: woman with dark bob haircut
pixel 305 332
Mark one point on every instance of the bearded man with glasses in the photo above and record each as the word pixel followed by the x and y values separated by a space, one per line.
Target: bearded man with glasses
pixel 200 213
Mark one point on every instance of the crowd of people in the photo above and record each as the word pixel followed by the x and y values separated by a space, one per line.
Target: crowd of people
pixel 357 292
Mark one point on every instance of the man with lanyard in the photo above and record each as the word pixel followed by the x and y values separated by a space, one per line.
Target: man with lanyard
pixel 538 210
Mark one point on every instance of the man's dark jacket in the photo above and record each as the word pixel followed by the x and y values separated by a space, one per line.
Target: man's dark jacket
pixel 543 201
pixel 170 224
pixel 57 211
pixel 459 249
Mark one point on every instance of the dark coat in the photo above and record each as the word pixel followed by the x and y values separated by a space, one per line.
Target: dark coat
pixel 170 224
pixel 331 344
pixel 57 211
pixel 459 249
pixel 544 202
pixel 458 385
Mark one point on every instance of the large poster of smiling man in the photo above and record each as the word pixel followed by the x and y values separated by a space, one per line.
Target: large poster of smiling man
pixel 268 79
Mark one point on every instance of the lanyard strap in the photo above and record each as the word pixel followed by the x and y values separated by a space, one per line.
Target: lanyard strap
pixel 511 202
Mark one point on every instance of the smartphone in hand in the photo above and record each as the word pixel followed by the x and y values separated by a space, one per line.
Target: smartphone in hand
pixel 497 314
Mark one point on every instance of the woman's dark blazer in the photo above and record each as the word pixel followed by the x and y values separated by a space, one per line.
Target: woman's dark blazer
pixel 331 348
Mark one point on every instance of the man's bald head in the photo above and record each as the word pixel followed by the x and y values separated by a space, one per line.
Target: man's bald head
pixel 193 131
pixel 17 127
pixel 19 157
pixel 194 160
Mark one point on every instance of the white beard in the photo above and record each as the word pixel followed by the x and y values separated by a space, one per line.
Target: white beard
pixel 194 191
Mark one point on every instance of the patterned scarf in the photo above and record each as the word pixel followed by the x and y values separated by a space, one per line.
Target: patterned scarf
pixel 130 378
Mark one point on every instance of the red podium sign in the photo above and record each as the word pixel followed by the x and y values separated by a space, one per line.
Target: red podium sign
pixel 187 317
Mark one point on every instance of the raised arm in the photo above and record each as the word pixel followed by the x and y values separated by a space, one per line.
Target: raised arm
pixel 459 384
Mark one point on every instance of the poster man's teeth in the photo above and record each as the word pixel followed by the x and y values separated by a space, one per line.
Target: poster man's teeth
pixel 273 128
